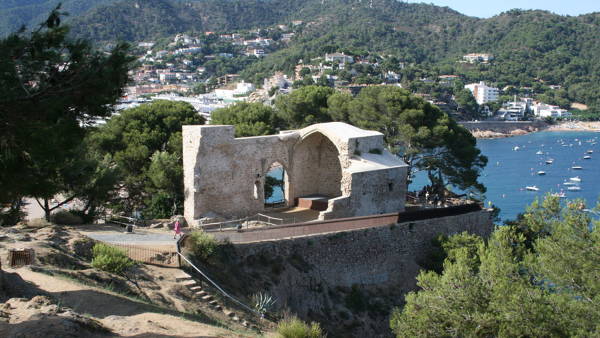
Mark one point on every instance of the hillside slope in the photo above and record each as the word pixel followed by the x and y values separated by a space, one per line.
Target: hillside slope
pixel 16 13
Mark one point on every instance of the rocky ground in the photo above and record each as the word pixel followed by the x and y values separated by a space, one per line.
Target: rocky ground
pixel 61 295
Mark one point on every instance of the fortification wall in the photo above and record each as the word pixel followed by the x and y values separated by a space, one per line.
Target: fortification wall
pixel 384 256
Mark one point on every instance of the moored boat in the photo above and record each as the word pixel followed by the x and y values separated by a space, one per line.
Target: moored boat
pixel 576 167
pixel 532 188
pixel 575 179
pixel 541 173
pixel 574 188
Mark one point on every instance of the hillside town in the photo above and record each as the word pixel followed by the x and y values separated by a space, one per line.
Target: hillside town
pixel 203 70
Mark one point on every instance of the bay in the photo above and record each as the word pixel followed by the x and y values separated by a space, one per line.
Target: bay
pixel 509 171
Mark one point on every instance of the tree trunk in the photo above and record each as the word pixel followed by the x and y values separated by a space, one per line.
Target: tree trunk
pixel 46 209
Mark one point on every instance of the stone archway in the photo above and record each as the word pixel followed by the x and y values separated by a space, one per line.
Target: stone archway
pixel 316 166
pixel 280 189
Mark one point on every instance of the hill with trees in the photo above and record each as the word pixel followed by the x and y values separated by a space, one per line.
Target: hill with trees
pixel 29 13
pixel 532 49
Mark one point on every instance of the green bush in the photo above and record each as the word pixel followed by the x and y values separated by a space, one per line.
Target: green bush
pixel 38 223
pixel 202 244
pixel 110 259
pixel 65 217
pixel 295 328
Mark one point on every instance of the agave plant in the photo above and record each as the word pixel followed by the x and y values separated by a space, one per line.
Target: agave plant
pixel 263 302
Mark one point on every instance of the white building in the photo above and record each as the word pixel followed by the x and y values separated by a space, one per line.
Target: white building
pixel 478 57
pixel 339 58
pixel 482 93
pixel 241 89
pixel 546 110
pixel 513 111
pixel 167 77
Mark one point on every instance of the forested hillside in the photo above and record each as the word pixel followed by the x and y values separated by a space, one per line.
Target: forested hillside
pixel 531 48
pixel 16 13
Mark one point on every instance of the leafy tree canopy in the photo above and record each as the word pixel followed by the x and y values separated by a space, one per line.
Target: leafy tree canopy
pixel 249 119
pixel 145 145
pixel 425 137
pixel 304 106
pixel 507 288
pixel 52 88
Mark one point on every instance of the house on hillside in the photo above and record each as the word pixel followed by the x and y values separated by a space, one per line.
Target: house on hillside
pixel 339 58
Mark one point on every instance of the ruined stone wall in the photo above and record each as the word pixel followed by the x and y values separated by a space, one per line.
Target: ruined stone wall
pixel 234 170
pixel 377 193
pixel 224 176
pixel 316 167
pixel 383 260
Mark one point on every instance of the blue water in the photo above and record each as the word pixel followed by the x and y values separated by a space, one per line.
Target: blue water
pixel 277 191
pixel 508 172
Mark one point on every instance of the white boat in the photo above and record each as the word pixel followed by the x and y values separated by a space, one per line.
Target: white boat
pixel 539 152
pixel 549 161
pixel 532 188
pixel 587 157
pixel 574 188
pixel 570 183
pixel 576 167
pixel 559 194
pixel 590 151
pixel 541 173
pixel 575 179
pixel 516 148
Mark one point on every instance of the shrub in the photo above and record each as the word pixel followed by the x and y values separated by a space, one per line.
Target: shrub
pixel 263 302
pixel 87 218
pixel 295 328
pixel 38 223
pixel 110 259
pixel 65 217
pixel 202 244
pixel 355 300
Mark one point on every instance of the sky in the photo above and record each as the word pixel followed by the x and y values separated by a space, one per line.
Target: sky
pixel 486 9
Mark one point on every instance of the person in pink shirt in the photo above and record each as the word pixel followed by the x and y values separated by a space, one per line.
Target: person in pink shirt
pixel 177 229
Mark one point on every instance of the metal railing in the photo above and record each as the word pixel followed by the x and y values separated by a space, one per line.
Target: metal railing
pixel 147 255
pixel 125 221
pixel 216 286
pixel 245 222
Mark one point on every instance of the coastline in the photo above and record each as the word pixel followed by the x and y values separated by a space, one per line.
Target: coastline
pixel 516 131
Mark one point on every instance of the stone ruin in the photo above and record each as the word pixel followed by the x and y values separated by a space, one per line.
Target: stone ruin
pixel 345 169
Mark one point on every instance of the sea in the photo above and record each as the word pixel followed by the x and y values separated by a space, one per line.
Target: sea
pixel 514 163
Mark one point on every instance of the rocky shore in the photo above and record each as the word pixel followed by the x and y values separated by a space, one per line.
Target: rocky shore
pixel 496 129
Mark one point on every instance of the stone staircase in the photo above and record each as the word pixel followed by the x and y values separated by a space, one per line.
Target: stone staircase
pixel 203 295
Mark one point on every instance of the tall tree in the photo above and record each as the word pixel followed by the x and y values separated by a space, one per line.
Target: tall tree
pixel 505 289
pixel 249 119
pixel 52 87
pixel 426 138
pixel 304 106
pixel 145 144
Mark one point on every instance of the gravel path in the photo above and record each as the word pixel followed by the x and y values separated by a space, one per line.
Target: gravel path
pixel 138 237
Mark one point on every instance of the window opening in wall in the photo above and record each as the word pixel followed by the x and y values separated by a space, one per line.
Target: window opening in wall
pixel 390 186
pixel 256 187
pixel 275 186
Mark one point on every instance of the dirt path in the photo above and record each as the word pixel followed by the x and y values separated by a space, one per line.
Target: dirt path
pixel 123 316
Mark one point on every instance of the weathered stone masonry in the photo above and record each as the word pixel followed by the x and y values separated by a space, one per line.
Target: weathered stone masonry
pixel 384 259
pixel 225 176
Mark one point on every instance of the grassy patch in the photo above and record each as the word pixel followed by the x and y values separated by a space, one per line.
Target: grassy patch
pixel 295 328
